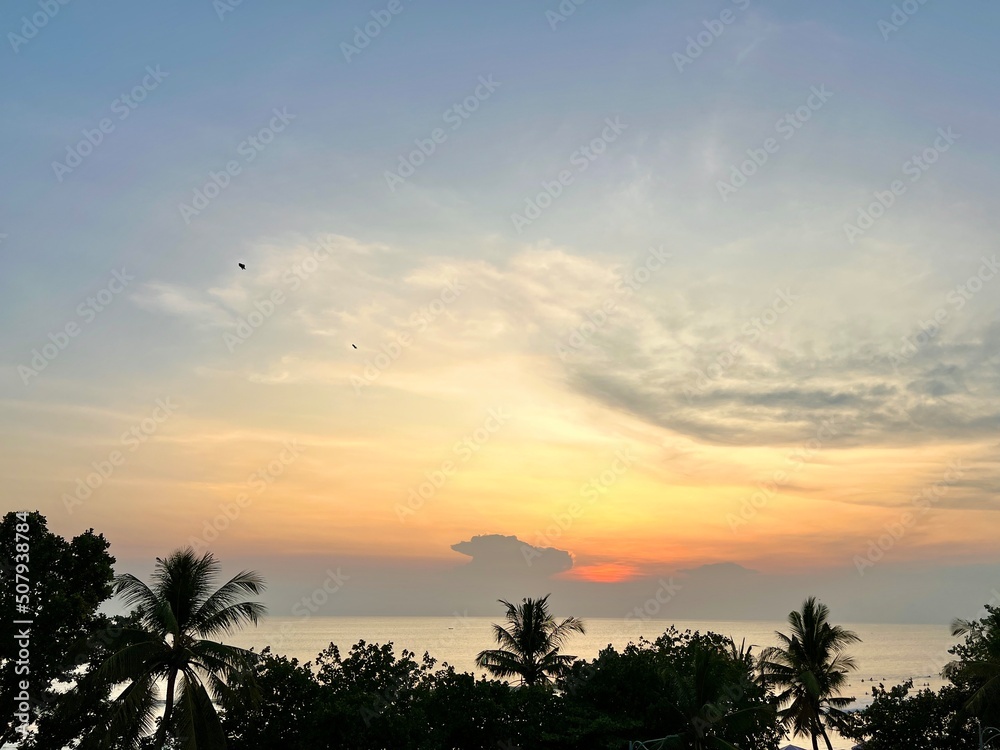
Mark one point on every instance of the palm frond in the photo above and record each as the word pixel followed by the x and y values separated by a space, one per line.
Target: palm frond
pixel 196 721
pixel 137 594
pixel 499 663
pixel 232 591
pixel 231 618
pixel 129 719
pixel 178 606
pixel 136 658
pixel 185 580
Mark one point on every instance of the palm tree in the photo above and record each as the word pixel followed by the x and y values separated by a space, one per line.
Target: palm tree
pixel 709 699
pixel 529 645
pixel 979 666
pixel 810 668
pixel 178 615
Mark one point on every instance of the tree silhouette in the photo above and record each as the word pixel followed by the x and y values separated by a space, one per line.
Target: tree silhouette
pixel 67 581
pixel 530 643
pixel 810 668
pixel 978 667
pixel 710 697
pixel 178 615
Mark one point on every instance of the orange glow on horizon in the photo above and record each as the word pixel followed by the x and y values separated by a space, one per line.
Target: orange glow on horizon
pixel 604 573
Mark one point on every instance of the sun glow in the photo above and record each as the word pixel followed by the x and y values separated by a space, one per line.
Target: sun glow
pixel 604 572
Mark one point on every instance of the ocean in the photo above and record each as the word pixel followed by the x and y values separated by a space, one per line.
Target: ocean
pixel 889 654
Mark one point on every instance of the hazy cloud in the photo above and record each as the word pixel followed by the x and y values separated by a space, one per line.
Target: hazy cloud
pixel 496 555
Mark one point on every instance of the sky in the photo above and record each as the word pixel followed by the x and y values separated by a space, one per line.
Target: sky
pixel 591 298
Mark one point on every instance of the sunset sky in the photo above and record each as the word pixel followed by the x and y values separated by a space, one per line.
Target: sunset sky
pixel 658 286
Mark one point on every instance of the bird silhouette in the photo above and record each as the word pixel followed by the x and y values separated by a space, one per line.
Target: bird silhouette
pixel 243 266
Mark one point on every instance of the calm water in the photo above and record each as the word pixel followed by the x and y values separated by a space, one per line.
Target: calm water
pixel 888 653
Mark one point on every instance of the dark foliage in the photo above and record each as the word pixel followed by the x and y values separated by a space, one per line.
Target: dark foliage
pixel 687 684
pixel 925 720
pixel 67 582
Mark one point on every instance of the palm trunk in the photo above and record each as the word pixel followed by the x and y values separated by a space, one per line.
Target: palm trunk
pixel 829 745
pixel 161 733
pixel 817 728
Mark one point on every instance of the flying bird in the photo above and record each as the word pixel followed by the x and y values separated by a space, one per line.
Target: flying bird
pixel 243 266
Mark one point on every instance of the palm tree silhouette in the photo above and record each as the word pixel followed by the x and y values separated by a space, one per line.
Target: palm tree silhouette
pixel 708 700
pixel 810 667
pixel 178 615
pixel 529 645
pixel 981 670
